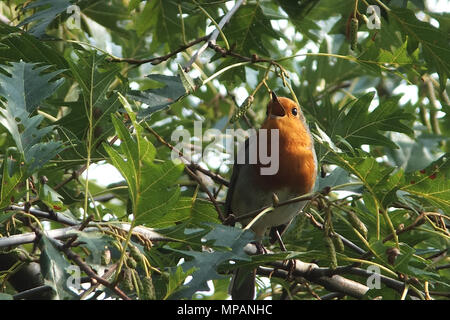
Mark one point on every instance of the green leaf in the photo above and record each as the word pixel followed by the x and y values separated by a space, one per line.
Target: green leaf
pixel 25 89
pixel 13 174
pixel 6 215
pixel 94 76
pixel 49 10
pixel 398 56
pixel 298 15
pixel 197 211
pixel 151 187
pixel 15 45
pixel 251 31
pixel 109 15
pixel 356 125
pixel 27 86
pixel 54 269
pixel 162 17
pixel 228 242
pixel 160 98
pixel 176 279
pixel 431 184
pixel 96 243
pixel 435 48
pixel 385 293
pixel 337 177
pixel 378 180
pixel 5 296
pixel 402 262
pixel 51 198
pixel 413 154
pixel 186 80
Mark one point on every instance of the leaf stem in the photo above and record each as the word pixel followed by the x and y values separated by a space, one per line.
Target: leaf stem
pixel 183 30
pixel 383 5
pixel 123 252
pixel 259 216
pixel 48 116
pixel 355 10
pixel 344 185
pixel 391 226
pixel 218 73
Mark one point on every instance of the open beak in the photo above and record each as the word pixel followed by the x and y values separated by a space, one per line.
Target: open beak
pixel 276 109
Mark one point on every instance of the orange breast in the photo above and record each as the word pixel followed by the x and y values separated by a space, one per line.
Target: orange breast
pixel 297 162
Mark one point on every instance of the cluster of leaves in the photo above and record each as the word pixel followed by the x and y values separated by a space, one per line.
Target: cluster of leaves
pixel 99 93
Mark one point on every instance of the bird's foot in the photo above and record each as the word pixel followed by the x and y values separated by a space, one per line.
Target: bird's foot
pixel 291 265
pixel 260 249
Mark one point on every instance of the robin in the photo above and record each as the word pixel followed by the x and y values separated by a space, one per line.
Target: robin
pixel 252 189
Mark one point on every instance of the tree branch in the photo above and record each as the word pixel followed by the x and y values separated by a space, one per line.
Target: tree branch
pixel 326 277
pixel 335 283
pixel 54 216
pixel 65 233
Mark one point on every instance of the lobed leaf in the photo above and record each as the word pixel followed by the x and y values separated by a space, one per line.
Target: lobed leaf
pixel 152 187
pixel 26 88
pixel 431 184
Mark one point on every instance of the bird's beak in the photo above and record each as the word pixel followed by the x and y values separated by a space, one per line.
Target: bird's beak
pixel 276 109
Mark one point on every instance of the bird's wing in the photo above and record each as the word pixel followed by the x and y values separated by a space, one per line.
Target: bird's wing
pixel 234 177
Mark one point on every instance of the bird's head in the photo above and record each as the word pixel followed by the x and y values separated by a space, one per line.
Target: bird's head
pixel 286 115
pixel 278 108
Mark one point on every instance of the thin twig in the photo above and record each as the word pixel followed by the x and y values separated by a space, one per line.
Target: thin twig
pixel 214 176
pixel 213 37
pixel 205 189
pixel 83 266
pixel 95 285
pixel 158 60
pixel 74 175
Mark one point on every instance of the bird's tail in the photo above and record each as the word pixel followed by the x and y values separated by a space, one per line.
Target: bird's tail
pixel 242 285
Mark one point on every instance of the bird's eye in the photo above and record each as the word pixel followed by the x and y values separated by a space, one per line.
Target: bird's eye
pixel 294 111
